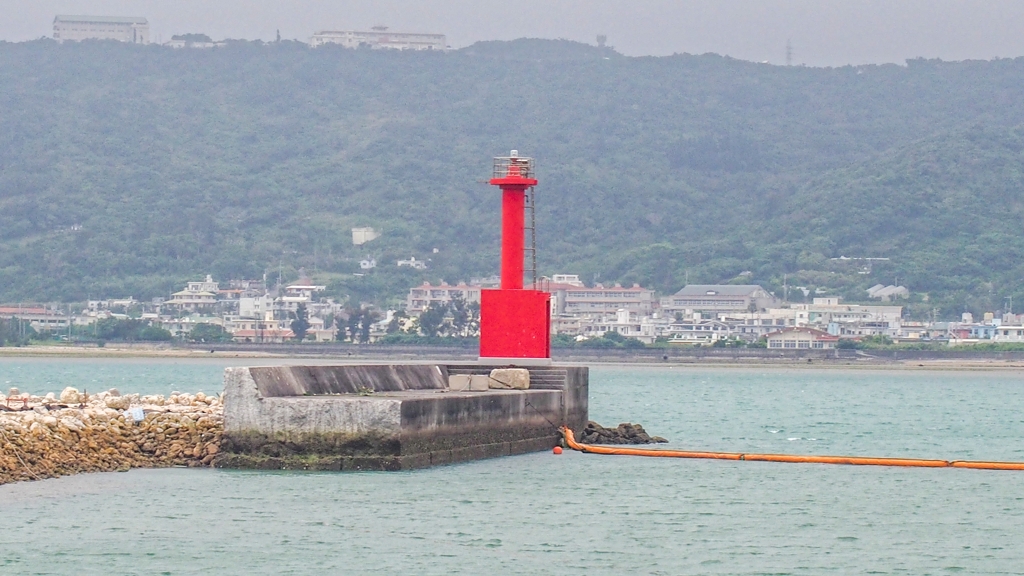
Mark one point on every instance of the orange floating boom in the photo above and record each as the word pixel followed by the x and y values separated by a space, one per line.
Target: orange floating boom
pixel 570 441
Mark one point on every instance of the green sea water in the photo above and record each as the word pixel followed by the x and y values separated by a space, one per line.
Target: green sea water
pixel 573 513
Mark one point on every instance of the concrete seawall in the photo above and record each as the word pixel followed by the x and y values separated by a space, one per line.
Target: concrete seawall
pixel 296 417
pixel 389 417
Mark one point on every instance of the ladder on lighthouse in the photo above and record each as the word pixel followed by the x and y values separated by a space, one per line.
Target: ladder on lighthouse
pixel 530 250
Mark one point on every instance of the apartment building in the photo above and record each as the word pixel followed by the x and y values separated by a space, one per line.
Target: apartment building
pixel 379 37
pixel 134 30
pixel 576 299
pixel 421 297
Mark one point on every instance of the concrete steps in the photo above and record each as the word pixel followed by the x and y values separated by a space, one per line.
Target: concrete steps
pixel 546 378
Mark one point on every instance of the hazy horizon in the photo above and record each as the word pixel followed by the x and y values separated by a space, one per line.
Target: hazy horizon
pixel 862 32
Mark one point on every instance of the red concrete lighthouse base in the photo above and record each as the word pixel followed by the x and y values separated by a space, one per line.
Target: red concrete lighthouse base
pixel 515 324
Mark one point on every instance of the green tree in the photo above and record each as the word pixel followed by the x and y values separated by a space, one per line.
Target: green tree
pixel 16 332
pixel 366 320
pixel 395 325
pixel 205 332
pixel 461 315
pixel 431 321
pixel 613 336
pixel 300 324
pixel 350 328
pixel 154 334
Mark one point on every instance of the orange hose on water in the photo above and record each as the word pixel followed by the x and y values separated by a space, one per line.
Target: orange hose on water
pixel 570 441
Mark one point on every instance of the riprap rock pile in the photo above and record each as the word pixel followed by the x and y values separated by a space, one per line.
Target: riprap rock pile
pixel 625 433
pixel 50 436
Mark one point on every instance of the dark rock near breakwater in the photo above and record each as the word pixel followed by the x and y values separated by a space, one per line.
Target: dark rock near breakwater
pixel 624 433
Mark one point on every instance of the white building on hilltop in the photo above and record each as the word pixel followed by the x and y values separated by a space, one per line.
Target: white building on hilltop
pixel 379 37
pixel 134 30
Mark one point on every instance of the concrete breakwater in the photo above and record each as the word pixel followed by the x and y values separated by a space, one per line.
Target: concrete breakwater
pixel 51 436
pixel 395 416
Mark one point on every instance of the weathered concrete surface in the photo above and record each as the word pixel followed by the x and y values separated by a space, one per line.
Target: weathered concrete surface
pixel 387 417
pixel 312 380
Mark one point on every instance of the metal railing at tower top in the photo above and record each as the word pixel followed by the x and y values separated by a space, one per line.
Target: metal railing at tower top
pixel 507 166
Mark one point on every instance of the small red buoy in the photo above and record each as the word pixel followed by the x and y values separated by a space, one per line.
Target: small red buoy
pixel 557 450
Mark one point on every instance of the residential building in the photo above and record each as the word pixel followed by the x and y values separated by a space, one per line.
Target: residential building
pixel 698 331
pixel 182 327
pixel 421 297
pixel 134 30
pixel 255 306
pixel 113 303
pixel 264 335
pixel 193 41
pixel 567 279
pixel 624 322
pixel 197 296
pixel 488 282
pixel 38 317
pixel 750 326
pixel 719 298
pixel 983 331
pixel 576 299
pixel 801 337
pixel 1007 333
pixel 887 293
pixel 379 37
pixel 413 263
pixel 861 329
pixel 823 311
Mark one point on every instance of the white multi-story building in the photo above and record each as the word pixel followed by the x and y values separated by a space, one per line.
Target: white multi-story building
pixel 379 37
pixel 825 310
pixel 576 299
pixel 196 296
pixel 134 30
pixel 1006 333
pixel 421 297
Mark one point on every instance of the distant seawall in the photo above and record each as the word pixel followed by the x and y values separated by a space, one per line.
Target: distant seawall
pixel 627 355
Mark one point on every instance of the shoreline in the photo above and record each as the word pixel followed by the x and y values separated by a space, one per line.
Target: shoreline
pixel 381 356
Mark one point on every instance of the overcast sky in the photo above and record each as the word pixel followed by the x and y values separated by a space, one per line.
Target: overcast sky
pixel 822 32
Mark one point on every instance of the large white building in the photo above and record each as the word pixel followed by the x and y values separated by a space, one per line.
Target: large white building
pixel 134 30
pixel 379 37
pixel 719 298
pixel 574 298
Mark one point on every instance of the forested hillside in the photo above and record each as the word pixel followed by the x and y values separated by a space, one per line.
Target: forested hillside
pixel 125 170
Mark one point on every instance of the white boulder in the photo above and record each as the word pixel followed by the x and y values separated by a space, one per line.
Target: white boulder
pixel 510 379
pixel 70 395
pixel 118 402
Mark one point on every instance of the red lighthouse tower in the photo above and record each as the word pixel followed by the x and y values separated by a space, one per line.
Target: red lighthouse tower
pixel 515 323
